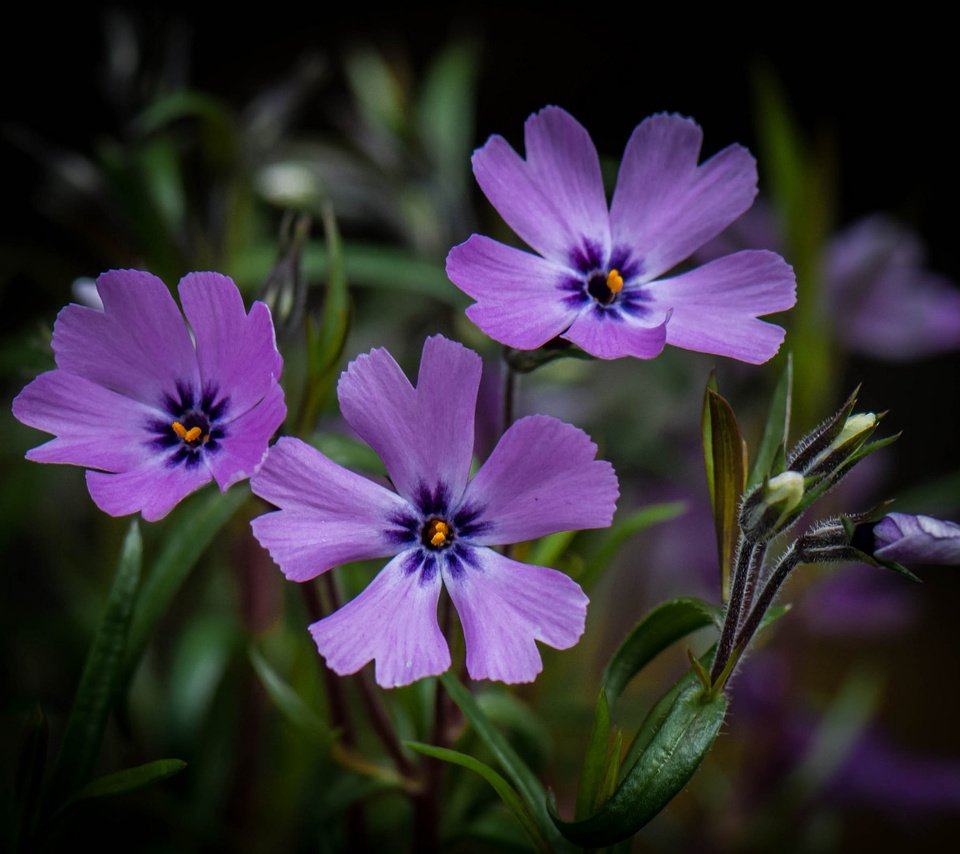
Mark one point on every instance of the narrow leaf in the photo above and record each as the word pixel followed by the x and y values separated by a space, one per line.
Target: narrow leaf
pixel 193 529
pixel 777 429
pixel 729 479
pixel 291 704
pixel 595 760
pixel 678 747
pixel 101 677
pixel 506 792
pixel 548 550
pixel 128 780
pixel 523 779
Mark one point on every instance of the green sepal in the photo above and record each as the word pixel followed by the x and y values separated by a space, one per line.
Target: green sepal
pixel 776 432
pixel 725 455
pixel 506 792
pixel 676 750
pixel 101 678
pixel 522 778
pixel 128 780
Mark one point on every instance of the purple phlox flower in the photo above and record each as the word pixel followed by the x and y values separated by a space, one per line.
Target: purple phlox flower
pixel 916 539
pixel 888 305
pixel 600 280
pixel 438 527
pixel 157 416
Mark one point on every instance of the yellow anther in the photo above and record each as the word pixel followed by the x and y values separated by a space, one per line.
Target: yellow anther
pixel 179 429
pixel 192 434
pixel 440 531
pixel 614 281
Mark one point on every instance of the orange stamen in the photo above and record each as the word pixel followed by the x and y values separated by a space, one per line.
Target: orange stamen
pixel 614 281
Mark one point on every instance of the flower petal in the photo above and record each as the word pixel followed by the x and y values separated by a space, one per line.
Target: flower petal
pixel 425 435
pixel 664 205
pixel 240 452
pixel 506 606
pixel 715 307
pixel 328 515
pixel 237 352
pixel 393 622
pixel 138 345
pixel 554 199
pixel 520 302
pixel 611 334
pixel 917 539
pixel 541 478
pixel 154 488
pixel 94 426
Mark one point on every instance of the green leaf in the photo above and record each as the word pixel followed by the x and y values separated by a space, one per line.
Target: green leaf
pixel 128 780
pixel 195 525
pixel 523 779
pixel 376 89
pixel 102 673
pixel 777 429
pixel 676 750
pixel 596 760
pixel 506 792
pixel 727 463
pixel 663 626
pixel 348 452
pixel 548 550
pixel 621 531
pixel 291 704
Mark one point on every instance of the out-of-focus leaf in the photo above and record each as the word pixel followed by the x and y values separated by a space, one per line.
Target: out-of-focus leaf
pixel 622 530
pixel 548 550
pixel 128 780
pixel 934 497
pixel 196 524
pixel 215 116
pixel 506 792
pixel 376 89
pixel 204 650
pixel 726 477
pixel 679 745
pixel 102 673
pixel 523 779
pixel 776 431
pixel 595 761
pixel 160 165
pixel 509 712
pixel 348 452
pixel 291 704
pixel 445 112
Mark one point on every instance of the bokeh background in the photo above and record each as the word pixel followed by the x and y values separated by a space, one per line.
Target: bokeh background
pixel 180 141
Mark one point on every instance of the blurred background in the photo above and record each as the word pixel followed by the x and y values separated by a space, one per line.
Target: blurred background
pixel 175 142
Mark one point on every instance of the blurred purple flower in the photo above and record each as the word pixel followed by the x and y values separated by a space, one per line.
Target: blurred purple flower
pixel 876 288
pixel 133 397
pixel 916 539
pixel 438 527
pixel 600 281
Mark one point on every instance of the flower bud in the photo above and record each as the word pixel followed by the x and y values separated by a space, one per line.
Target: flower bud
pixel 767 509
pixel 855 431
pixel 904 538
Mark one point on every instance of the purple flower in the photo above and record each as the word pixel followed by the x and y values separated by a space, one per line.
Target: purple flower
pixel 916 539
pixel 600 281
pixel 438 527
pixel 134 398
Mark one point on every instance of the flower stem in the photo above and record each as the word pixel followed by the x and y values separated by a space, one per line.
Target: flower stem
pixel 789 560
pixel 745 568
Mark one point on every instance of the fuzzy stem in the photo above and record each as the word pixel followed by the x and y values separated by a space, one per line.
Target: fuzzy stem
pixel 744 568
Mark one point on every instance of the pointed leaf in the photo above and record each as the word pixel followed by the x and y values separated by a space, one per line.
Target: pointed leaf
pixel 679 745
pixel 128 780
pixel 595 761
pixel 506 792
pixel 777 429
pixel 727 451
pixel 102 674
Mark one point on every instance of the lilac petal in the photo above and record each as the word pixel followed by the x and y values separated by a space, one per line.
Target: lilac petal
pixel 611 335
pixel 715 307
pixel 245 445
pixel 519 300
pixel 916 539
pixel 425 435
pixel 554 199
pixel 328 515
pixel 667 205
pixel 138 345
pixel 506 606
pixel 237 352
pixel 94 426
pixel 541 478
pixel 393 622
pixel 154 488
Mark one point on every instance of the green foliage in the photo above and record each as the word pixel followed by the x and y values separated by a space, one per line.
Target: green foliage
pixel 776 431
pixel 128 780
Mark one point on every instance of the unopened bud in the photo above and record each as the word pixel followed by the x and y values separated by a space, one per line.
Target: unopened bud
pixel 768 508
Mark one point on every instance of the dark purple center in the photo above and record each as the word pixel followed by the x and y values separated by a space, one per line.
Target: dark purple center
pixel 201 429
